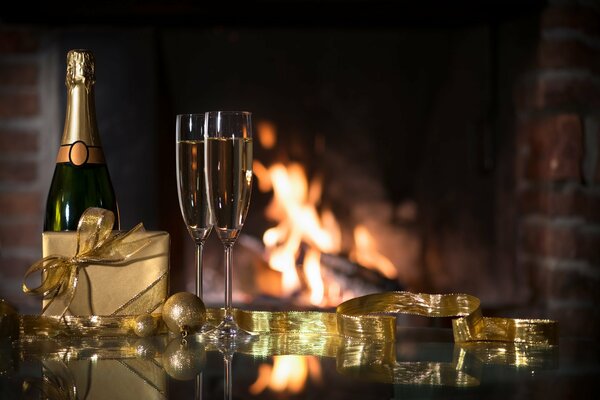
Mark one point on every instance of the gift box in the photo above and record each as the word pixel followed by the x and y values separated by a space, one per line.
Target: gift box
pixel 126 378
pixel 138 285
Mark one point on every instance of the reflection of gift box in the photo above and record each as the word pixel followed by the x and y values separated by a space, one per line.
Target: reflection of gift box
pixel 127 378
pixel 136 286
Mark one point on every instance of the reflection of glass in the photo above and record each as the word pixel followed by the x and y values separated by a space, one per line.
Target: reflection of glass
pixel 114 368
pixel 228 168
pixel 228 387
pixel 190 184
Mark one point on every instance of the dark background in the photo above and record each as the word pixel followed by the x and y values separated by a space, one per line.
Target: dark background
pixel 415 96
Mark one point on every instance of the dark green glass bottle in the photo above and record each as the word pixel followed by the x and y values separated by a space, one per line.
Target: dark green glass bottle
pixel 81 178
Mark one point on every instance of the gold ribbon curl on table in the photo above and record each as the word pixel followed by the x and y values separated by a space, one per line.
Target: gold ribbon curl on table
pixel 365 318
pixel 95 244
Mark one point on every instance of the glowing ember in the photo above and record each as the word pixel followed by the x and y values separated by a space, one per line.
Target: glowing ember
pixel 288 374
pixel 365 253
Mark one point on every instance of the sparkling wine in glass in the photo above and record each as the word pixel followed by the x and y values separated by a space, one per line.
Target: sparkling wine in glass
pixel 228 168
pixel 191 184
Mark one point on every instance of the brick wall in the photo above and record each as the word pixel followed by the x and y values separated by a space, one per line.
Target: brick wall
pixel 558 168
pixel 21 186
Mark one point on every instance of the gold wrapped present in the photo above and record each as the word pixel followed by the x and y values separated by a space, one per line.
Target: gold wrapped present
pixel 138 285
pixel 100 272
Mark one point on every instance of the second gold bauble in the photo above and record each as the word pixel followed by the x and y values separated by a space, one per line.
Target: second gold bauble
pixel 184 312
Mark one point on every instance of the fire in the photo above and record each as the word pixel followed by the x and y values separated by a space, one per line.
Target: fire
pixel 303 229
pixel 294 208
pixel 288 374
pixel 366 254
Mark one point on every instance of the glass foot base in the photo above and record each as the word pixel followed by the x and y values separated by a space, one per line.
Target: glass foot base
pixel 228 335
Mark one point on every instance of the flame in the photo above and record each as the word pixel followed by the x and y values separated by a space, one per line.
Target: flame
pixel 294 208
pixel 365 253
pixel 312 271
pixel 288 374
pixel 266 134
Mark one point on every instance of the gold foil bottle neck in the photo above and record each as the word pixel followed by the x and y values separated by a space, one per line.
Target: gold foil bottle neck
pixel 80 142
pixel 80 68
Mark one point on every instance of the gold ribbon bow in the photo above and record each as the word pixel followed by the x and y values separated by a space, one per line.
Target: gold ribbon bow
pixel 95 244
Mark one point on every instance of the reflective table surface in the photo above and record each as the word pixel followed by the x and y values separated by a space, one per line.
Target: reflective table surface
pixel 423 363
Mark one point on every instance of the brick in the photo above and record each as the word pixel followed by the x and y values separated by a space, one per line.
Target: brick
pixel 558 91
pixel 561 241
pixel 20 204
pixel 550 241
pixel 555 148
pixel 578 18
pixel 560 203
pixel 19 105
pixel 592 149
pixel 17 171
pixel 551 203
pixel 593 208
pixel 20 234
pixel 19 74
pixel 15 142
pixel 572 54
pixel 560 284
pixel 18 41
pixel 588 245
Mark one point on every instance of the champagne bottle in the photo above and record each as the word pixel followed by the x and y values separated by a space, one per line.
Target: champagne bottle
pixel 81 178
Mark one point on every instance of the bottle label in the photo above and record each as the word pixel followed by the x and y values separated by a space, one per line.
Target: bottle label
pixel 79 154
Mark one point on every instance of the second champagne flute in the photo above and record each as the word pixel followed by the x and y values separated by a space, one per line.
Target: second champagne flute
pixel 228 168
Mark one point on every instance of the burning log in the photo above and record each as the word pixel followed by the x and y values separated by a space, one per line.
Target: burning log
pixel 342 278
pixel 360 279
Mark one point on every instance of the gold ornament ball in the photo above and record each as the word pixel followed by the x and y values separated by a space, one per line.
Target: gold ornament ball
pixel 184 311
pixel 146 348
pixel 184 359
pixel 145 325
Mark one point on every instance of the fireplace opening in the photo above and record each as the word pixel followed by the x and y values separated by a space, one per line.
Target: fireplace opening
pixel 381 151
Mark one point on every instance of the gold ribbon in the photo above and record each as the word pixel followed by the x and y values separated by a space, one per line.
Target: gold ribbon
pixel 359 318
pixel 95 244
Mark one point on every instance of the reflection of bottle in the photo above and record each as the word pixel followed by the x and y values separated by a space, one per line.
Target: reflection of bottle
pixel 81 178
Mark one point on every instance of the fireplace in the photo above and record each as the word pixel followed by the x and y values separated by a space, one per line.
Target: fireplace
pixel 441 149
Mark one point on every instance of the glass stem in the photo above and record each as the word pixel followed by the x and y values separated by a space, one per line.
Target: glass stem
pixel 199 251
pixel 228 279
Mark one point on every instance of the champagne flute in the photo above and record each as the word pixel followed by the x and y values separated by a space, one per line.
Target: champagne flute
pixel 228 168
pixel 191 186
